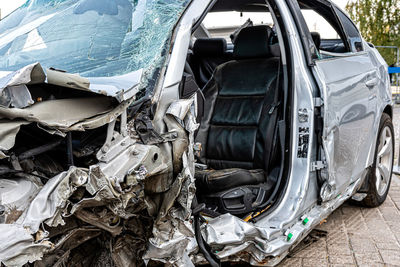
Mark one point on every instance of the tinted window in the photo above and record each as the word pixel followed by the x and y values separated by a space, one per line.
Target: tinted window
pixel 351 31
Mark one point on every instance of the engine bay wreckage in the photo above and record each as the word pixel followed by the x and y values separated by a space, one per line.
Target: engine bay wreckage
pixel 85 177
pixel 114 152
pixel 76 172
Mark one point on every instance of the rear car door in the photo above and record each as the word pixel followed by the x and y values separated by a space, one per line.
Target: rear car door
pixel 347 78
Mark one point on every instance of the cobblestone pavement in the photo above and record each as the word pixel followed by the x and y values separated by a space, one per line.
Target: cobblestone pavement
pixel 356 236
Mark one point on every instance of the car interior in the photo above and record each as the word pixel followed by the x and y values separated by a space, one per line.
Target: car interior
pixel 238 81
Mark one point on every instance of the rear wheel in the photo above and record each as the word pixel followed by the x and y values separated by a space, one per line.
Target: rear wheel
pixel 381 171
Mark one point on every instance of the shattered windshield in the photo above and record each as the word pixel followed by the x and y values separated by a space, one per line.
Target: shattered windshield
pixel 94 38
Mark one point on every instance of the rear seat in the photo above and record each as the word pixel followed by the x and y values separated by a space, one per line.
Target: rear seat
pixel 208 53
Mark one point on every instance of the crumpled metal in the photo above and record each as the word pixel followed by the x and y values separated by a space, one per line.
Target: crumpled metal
pixel 83 119
pixel 49 203
pixel 18 245
pixel 13 90
pixel 30 74
pixel 173 233
pixel 173 237
pixel 46 207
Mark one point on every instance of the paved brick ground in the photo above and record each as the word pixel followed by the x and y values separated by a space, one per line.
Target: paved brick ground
pixel 355 236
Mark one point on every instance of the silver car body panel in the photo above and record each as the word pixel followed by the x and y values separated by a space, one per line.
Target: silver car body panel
pixel 355 91
pixel 348 116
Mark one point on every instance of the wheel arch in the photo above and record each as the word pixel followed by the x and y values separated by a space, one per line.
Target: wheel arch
pixel 388 110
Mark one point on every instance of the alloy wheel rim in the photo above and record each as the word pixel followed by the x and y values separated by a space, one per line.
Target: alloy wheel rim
pixel 384 161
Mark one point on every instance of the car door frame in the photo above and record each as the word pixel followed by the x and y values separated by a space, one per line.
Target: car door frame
pixel 332 184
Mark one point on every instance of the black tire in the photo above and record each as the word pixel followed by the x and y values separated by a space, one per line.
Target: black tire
pixel 374 198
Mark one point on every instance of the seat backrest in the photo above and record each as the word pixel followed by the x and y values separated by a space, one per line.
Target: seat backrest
pixel 317 39
pixel 208 53
pixel 238 100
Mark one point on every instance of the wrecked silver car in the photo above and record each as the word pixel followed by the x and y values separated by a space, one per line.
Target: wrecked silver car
pixel 134 133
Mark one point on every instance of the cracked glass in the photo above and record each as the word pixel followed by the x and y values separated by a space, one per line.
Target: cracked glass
pixel 93 38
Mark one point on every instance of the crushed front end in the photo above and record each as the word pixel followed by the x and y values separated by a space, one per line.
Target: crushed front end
pixel 85 179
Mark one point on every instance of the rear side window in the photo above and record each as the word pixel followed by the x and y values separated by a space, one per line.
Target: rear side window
pixel 351 31
pixel 327 28
pixel 316 23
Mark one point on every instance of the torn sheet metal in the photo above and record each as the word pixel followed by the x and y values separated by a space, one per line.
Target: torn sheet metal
pixel 60 113
pixel 30 74
pixel 52 199
pixel 173 233
pixel 72 115
pixel 17 96
pixel 13 90
pixel 121 87
pixel 51 206
pixel 18 246
pixel 46 206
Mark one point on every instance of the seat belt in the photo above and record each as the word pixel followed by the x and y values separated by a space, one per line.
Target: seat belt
pixel 272 111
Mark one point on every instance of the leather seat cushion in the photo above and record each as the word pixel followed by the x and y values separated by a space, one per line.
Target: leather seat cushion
pixel 220 180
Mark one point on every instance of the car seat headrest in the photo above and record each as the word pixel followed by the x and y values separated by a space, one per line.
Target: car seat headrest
pixel 209 47
pixel 252 42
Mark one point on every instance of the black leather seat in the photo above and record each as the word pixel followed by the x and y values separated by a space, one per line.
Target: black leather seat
pixel 208 53
pixel 240 99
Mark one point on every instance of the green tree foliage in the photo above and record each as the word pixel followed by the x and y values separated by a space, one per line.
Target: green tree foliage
pixel 379 23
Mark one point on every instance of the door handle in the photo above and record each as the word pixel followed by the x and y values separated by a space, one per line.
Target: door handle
pixel 371 83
